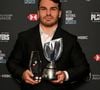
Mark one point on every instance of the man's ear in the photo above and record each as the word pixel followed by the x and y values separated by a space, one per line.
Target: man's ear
pixel 60 13
pixel 38 14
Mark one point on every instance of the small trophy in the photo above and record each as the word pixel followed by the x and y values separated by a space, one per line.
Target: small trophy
pixel 35 65
pixel 52 52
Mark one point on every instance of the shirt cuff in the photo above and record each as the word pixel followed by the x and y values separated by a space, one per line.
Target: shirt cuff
pixel 67 76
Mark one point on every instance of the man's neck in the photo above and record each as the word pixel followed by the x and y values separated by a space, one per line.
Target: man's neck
pixel 48 30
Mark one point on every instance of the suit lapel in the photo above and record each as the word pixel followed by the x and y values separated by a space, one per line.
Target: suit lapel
pixel 58 34
pixel 38 39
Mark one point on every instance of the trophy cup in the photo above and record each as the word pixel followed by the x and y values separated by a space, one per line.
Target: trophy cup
pixel 35 65
pixel 52 52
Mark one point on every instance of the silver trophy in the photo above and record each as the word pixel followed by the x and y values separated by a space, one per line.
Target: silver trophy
pixel 35 65
pixel 52 52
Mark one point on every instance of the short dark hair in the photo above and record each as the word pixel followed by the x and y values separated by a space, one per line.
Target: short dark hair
pixel 55 1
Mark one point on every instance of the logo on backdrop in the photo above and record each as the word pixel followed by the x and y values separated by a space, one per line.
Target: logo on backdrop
pixel 2 57
pixel 63 0
pixel 6 16
pixel 88 0
pixel 29 1
pixel 97 57
pixel 94 76
pixel 95 16
pixel 32 17
pixel 4 37
pixel 82 37
pixel 70 17
pixel 5 76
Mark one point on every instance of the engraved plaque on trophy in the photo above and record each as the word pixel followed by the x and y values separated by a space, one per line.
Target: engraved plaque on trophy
pixel 52 52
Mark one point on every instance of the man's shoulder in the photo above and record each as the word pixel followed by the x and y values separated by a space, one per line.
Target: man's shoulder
pixel 68 34
pixel 29 31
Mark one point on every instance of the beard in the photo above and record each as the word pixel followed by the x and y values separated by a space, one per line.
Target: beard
pixel 48 23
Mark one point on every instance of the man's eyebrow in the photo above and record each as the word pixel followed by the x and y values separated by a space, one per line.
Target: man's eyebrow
pixel 55 7
pixel 50 7
pixel 42 7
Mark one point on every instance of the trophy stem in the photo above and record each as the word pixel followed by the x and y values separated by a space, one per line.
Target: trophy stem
pixel 51 65
pixel 49 72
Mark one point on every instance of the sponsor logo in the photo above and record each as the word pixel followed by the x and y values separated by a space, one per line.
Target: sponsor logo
pixel 88 0
pixel 6 16
pixel 32 17
pixel 83 37
pixel 5 76
pixel 4 37
pixel 63 0
pixel 94 76
pixel 2 57
pixel 29 1
pixel 70 17
pixel 95 16
pixel 97 57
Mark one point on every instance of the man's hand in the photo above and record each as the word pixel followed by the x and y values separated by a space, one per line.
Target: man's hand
pixel 60 77
pixel 28 77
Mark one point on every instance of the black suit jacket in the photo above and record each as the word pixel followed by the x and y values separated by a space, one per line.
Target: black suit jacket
pixel 72 59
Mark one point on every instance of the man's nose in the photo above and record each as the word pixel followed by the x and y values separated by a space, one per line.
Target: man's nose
pixel 48 12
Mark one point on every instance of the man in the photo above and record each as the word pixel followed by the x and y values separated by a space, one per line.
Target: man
pixel 72 65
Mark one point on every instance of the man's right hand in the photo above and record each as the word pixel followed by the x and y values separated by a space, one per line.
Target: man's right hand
pixel 28 78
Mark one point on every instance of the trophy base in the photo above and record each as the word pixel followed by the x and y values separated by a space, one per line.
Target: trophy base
pixel 49 79
pixel 49 74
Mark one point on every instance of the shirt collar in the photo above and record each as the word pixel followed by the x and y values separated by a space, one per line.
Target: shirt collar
pixel 42 32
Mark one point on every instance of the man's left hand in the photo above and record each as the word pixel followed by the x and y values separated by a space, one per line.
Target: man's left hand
pixel 60 77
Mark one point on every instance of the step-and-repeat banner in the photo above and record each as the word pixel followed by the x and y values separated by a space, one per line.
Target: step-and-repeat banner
pixel 80 17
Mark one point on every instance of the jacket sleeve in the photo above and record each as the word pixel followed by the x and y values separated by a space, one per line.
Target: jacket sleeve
pixel 79 66
pixel 14 62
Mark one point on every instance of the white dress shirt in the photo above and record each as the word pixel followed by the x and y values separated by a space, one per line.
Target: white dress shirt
pixel 46 37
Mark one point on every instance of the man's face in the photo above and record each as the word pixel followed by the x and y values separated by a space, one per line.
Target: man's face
pixel 48 13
